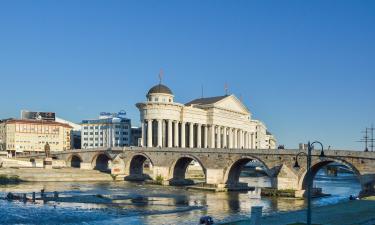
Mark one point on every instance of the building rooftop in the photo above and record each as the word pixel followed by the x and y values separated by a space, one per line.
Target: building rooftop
pixel 206 101
pixel 160 88
pixel 44 122
pixel 105 121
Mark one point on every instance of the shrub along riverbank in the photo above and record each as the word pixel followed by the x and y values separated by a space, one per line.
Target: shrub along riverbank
pixel 5 179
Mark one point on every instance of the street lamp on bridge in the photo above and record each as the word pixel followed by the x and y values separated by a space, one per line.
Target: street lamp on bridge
pixel 310 147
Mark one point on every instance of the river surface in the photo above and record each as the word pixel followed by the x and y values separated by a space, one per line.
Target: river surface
pixel 136 203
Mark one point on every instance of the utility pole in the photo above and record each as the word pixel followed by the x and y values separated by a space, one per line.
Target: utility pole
pixel 371 129
pixel 365 139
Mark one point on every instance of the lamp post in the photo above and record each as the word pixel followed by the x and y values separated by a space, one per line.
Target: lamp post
pixel 310 147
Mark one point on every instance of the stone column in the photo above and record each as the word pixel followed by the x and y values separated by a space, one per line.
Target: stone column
pixel 240 139
pixel 143 134
pixel 249 140
pixel 235 141
pixel 244 139
pixel 212 145
pixel 176 144
pixel 225 137
pixel 169 133
pixel 160 135
pixel 199 135
pixel 205 144
pixel 183 134
pixel 149 133
pixel 191 135
pixel 252 141
pixel 230 138
pixel 218 136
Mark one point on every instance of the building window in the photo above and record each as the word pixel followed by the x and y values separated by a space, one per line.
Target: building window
pixel 96 133
pixel 156 99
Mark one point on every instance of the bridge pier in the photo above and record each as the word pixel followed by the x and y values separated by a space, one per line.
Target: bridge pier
pixel 284 179
pixel 214 176
pixel 161 172
pixel 118 170
pixel 368 184
pixel 86 166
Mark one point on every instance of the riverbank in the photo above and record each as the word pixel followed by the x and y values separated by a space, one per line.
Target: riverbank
pixel 359 212
pixel 63 174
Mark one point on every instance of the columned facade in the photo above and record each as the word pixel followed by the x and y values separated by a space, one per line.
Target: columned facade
pixel 216 122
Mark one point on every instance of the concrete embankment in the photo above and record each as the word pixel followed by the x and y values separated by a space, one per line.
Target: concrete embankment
pixel 63 174
pixel 358 212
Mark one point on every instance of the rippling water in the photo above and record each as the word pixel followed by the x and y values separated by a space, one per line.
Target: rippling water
pixel 148 204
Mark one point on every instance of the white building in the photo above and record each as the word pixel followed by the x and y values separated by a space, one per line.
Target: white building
pixel 110 130
pixel 75 133
pixel 215 122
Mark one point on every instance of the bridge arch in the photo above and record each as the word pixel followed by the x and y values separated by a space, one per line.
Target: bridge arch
pixel 316 165
pixel 74 160
pixel 135 166
pixel 179 168
pixel 101 161
pixel 233 171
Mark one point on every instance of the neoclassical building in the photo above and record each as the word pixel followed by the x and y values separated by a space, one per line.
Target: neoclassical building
pixel 214 122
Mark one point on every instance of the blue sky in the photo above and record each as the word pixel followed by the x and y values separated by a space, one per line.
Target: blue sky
pixel 305 68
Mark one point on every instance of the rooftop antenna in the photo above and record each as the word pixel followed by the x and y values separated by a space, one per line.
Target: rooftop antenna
pixel 226 88
pixel 161 74
pixel 202 90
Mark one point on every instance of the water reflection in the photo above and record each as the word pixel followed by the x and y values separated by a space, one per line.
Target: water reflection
pixel 135 203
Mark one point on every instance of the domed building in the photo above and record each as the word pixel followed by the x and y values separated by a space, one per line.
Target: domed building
pixel 213 122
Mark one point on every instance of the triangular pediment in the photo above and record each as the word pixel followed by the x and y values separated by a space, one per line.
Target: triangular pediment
pixel 233 104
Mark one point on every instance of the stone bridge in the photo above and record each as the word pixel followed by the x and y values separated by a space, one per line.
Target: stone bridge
pixel 221 167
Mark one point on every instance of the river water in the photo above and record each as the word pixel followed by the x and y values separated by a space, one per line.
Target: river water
pixel 136 203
